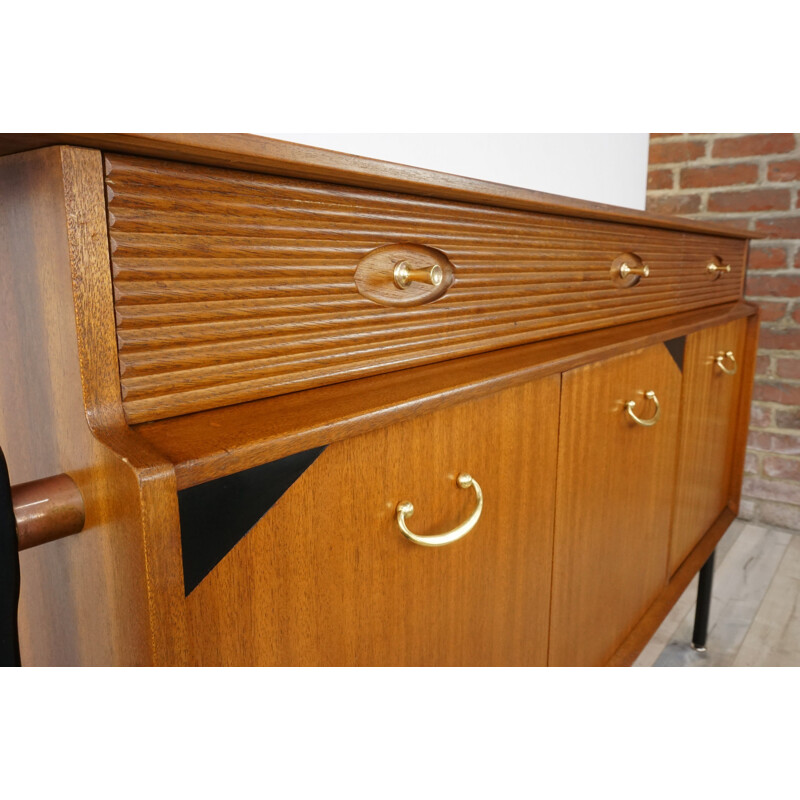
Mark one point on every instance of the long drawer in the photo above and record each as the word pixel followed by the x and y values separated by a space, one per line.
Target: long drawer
pixel 231 286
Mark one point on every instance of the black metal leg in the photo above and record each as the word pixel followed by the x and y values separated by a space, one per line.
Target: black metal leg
pixel 706 579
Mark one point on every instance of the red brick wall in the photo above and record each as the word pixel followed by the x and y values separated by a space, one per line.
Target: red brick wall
pixel 752 181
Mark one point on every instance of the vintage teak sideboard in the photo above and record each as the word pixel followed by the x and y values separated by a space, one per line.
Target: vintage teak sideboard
pixel 313 409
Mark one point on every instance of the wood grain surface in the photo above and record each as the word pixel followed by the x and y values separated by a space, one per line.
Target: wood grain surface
pixel 615 488
pixel 84 599
pixel 259 154
pixel 207 265
pixel 231 286
pixel 707 434
pixel 211 444
pixel 326 578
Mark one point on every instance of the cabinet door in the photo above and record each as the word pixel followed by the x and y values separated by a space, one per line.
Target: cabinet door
pixel 326 577
pixel 711 385
pixel 615 491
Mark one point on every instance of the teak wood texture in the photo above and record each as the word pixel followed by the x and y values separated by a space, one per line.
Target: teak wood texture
pixel 162 280
pixel 230 287
pixel 327 578
pixel 615 488
pixel 86 599
pixel 707 436
pixel 211 444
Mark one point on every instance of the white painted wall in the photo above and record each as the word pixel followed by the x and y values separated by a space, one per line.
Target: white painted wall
pixel 604 167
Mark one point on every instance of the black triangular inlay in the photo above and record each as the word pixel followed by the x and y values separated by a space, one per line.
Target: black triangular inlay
pixel 676 348
pixel 217 514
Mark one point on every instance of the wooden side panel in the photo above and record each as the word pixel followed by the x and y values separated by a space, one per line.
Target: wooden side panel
pixel 708 428
pixel 232 286
pixel 85 599
pixel 326 577
pixel 615 490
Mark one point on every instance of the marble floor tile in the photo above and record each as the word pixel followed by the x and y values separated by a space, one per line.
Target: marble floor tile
pixel 740 584
pixel 684 607
pixel 773 639
pixel 669 627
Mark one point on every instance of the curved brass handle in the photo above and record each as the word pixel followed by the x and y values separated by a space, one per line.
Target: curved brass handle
pixel 406 509
pixel 719 362
pixel 630 405
pixel 404 275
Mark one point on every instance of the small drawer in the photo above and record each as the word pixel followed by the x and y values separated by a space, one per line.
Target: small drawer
pixel 231 286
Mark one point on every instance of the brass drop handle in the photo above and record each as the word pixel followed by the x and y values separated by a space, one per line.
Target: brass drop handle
pixel 404 276
pixel 717 269
pixel 625 270
pixel 631 404
pixel 720 362
pixel 406 509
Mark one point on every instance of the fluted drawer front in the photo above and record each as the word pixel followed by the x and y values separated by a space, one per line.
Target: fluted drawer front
pixel 231 286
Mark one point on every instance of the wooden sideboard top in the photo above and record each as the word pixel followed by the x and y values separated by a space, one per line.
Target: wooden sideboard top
pixel 272 156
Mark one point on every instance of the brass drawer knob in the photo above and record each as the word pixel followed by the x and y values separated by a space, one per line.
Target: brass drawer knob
pixel 631 404
pixel 720 362
pixel 716 268
pixel 404 275
pixel 628 269
pixel 625 270
pixel 405 510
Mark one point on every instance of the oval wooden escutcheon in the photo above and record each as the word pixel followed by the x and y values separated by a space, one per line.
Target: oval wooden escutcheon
pixel 374 277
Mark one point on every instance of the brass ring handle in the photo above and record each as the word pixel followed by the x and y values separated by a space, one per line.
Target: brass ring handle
pixel 720 359
pixel 404 275
pixel 406 509
pixel 630 405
